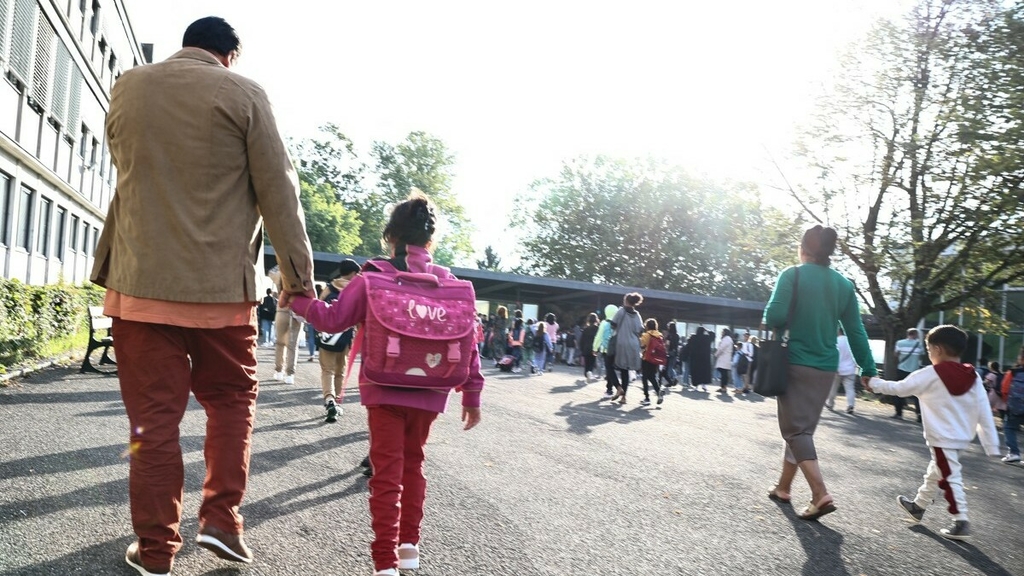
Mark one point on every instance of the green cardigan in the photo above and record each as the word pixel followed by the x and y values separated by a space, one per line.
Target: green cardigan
pixel 825 300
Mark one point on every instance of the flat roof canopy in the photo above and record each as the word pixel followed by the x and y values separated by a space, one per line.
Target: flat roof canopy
pixel 504 287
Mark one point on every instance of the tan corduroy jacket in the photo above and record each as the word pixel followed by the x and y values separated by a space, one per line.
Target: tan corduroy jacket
pixel 201 167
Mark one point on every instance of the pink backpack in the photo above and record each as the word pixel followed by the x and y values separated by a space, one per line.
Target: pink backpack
pixel 419 329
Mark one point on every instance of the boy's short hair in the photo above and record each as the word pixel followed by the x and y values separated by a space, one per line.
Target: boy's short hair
pixel 951 339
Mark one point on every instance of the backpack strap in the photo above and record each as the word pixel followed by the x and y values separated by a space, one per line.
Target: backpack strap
pixel 357 343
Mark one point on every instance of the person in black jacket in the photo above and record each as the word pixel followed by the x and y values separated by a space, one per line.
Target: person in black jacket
pixel 267 312
pixel 672 344
pixel 587 350
pixel 699 349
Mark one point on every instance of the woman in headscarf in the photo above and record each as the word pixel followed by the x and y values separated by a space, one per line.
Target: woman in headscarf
pixel 699 352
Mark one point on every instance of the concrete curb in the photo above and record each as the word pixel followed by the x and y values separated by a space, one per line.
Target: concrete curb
pixel 41 365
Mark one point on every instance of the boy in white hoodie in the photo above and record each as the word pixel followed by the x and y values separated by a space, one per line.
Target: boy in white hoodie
pixel 954 408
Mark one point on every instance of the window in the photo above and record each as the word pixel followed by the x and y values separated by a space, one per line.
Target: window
pixel 43 229
pixel 85 237
pixel 95 240
pixel 83 149
pixel 6 197
pixel 73 238
pixel 62 220
pixel 28 197
pixel 20 60
pixel 94 24
pixel 42 70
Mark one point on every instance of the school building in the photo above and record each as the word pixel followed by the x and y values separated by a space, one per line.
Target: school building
pixel 59 59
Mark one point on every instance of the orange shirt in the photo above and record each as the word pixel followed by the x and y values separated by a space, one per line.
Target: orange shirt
pixel 183 314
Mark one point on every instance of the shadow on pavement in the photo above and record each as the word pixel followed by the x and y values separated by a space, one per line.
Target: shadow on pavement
pixel 582 418
pixel 579 385
pixel 83 560
pixel 976 558
pixel 270 460
pixel 77 460
pixel 822 545
pixel 297 499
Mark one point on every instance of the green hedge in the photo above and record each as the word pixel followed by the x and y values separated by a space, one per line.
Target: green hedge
pixel 31 317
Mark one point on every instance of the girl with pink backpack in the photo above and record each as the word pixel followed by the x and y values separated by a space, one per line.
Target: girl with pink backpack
pixel 417 335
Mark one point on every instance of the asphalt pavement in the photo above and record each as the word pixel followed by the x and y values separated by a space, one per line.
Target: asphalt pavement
pixel 553 482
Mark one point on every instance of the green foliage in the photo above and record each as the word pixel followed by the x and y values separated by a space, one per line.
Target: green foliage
pixel 32 318
pixel 330 162
pixel 330 226
pixel 491 260
pixel 920 163
pixel 646 223
pixel 918 159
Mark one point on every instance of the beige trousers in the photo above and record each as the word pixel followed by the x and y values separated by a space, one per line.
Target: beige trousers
pixel 332 372
pixel 288 329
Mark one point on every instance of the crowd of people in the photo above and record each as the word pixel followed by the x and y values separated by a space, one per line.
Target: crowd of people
pixel 181 288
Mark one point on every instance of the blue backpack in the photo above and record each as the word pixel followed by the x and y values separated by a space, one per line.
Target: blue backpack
pixel 1015 402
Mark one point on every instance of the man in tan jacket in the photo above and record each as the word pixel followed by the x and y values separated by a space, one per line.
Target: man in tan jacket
pixel 201 168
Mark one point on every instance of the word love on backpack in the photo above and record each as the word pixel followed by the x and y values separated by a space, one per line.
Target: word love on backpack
pixel 425 325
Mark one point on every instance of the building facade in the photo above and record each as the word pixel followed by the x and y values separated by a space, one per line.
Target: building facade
pixel 59 59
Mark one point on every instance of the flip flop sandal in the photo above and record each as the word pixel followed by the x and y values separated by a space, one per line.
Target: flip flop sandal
pixel 774 496
pixel 813 512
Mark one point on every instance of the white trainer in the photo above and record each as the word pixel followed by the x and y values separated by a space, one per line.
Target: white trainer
pixel 408 557
pixel 278 375
pixel 289 379
pixel 1010 458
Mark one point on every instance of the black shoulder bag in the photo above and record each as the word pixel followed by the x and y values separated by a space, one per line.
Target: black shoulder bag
pixel 772 376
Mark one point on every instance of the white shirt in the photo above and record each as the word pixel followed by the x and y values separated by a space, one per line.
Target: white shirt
pixel 847 365
pixel 949 421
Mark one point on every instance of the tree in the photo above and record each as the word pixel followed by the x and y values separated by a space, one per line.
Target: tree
pixel 330 226
pixel 420 161
pixel 918 161
pixel 491 260
pixel 648 224
pixel 424 162
pixel 330 173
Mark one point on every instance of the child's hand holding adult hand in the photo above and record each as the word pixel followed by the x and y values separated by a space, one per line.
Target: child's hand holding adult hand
pixel 471 416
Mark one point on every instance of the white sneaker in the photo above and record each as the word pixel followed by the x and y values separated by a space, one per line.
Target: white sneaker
pixel 607 396
pixel 590 375
pixel 289 379
pixel 408 557
pixel 278 375
pixel 388 572
pixel 1010 458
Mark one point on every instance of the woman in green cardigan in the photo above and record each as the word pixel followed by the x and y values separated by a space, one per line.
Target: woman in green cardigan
pixel 824 299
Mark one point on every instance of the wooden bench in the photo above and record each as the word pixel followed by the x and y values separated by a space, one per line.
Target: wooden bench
pixel 98 321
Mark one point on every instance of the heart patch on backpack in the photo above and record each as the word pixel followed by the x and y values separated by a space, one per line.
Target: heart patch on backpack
pixel 433 360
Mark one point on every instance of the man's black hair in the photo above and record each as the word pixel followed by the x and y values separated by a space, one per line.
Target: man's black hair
pixel 213 34
pixel 952 339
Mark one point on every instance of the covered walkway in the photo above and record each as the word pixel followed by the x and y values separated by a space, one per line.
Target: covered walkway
pixel 552 292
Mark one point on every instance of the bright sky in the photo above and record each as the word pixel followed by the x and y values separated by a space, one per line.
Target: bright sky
pixel 514 89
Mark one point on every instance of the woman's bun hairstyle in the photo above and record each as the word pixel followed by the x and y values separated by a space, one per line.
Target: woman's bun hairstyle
pixel 634 299
pixel 819 243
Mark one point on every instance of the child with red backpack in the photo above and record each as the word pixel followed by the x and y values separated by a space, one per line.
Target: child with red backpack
pixel 417 336
pixel 652 344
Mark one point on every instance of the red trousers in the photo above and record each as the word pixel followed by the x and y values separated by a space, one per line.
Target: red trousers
pixel 158 366
pixel 398 487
